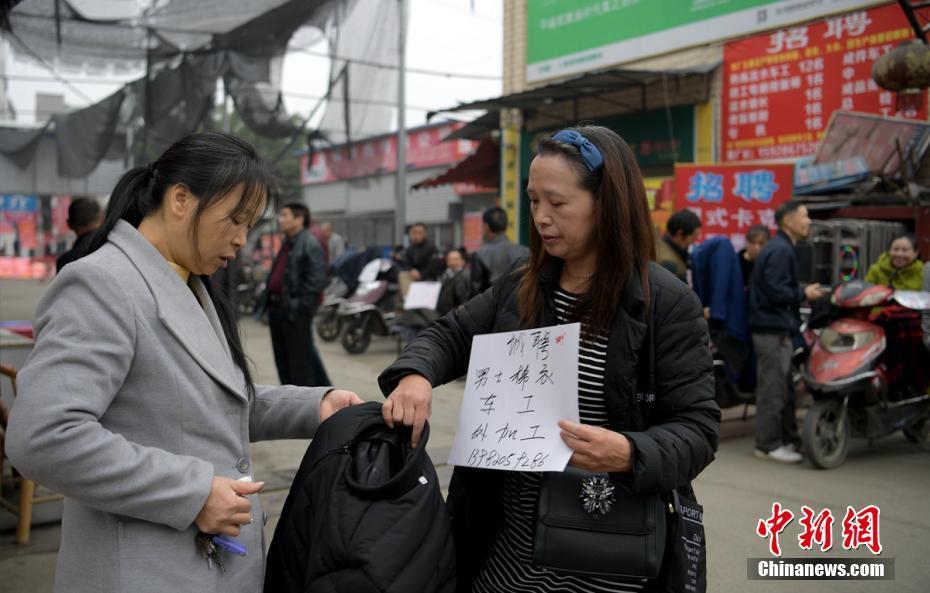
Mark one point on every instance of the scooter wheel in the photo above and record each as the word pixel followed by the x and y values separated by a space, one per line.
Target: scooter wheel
pixel 356 338
pixel 918 432
pixel 328 327
pixel 825 436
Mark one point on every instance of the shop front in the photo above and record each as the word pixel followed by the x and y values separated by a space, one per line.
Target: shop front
pixel 354 186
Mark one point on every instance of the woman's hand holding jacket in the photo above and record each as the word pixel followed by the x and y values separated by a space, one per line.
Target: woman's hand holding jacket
pixel 410 404
pixel 335 400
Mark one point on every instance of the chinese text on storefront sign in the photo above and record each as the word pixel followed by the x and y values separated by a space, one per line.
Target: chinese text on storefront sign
pixel 731 198
pixel 780 88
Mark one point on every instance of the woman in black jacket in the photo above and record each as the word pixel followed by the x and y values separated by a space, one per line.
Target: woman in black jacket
pixel 456 282
pixel 591 243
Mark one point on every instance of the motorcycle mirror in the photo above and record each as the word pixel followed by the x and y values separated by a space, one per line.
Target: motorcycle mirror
pixel 913 299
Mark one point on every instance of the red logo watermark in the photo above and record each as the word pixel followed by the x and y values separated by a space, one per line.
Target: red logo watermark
pixel 860 528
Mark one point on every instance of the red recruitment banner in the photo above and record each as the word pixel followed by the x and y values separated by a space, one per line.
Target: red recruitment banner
pixel 730 198
pixel 780 88
pixel 379 155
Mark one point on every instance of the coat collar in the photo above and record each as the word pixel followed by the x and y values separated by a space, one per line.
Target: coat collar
pixel 297 237
pixel 631 301
pixel 784 236
pixel 678 249
pixel 195 325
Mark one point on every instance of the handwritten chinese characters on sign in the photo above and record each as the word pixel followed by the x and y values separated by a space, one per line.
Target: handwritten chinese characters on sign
pixel 731 198
pixel 780 88
pixel 519 385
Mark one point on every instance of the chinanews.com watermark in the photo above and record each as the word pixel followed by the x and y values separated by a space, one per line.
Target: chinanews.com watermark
pixel 860 529
pixel 784 569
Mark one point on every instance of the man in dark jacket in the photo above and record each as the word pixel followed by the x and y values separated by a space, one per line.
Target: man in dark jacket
pixel 683 229
pixel 421 257
pixel 774 297
pixel 84 217
pixel 295 284
pixel 497 254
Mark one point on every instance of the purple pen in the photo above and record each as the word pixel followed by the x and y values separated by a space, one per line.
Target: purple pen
pixel 230 544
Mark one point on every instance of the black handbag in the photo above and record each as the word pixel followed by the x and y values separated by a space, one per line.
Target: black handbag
pixel 590 525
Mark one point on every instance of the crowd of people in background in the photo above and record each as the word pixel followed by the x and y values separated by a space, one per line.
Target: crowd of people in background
pixel 752 301
pixel 751 297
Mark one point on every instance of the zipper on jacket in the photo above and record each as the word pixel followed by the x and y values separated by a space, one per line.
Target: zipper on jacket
pixel 340 450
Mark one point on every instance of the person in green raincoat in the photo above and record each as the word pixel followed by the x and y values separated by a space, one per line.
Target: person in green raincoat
pixel 899 267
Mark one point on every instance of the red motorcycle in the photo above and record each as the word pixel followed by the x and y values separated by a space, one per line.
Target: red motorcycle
pixel 868 372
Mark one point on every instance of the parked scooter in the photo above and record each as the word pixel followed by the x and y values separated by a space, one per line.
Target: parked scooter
pixel 868 372
pixel 345 279
pixel 371 309
pixel 328 321
pixel 248 286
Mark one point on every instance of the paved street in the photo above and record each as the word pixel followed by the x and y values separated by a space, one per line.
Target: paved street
pixel 736 490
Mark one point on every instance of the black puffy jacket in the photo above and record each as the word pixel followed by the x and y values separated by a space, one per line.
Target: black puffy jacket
pixel 674 437
pixel 365 514
pixel 304 275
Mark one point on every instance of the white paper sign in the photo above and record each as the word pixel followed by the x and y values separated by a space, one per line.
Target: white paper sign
pixel 519 385
pixel 422 295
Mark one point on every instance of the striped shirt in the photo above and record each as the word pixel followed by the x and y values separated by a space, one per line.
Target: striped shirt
pixel 510 563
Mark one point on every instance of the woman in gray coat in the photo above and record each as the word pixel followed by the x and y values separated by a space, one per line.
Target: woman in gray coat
pixel 137 402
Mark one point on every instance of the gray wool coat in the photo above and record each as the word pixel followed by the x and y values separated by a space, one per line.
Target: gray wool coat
pixel 129 405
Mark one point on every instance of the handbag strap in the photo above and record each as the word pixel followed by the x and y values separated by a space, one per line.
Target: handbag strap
pixel 646 363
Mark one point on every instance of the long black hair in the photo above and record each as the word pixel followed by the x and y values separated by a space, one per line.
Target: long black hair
pixel 210 165
pixel 623 229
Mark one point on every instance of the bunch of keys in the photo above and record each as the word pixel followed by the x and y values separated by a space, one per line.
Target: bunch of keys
pixel 209 546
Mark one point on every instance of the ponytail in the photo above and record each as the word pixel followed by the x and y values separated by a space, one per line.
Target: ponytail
pixel 131 201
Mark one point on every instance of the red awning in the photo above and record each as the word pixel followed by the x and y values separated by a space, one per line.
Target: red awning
pixel 481 168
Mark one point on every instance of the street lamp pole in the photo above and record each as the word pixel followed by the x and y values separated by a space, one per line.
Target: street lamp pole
pixel 400 214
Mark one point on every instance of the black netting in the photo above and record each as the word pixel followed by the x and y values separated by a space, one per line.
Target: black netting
pixel 20 146
pixel 83 137
pixel 180 49
pixel 68 39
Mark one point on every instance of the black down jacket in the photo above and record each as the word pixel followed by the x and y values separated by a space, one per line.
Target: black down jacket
pixel 674 435
pixel 364 514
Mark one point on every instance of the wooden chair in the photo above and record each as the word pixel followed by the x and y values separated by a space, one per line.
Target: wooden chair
pixel 27 487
